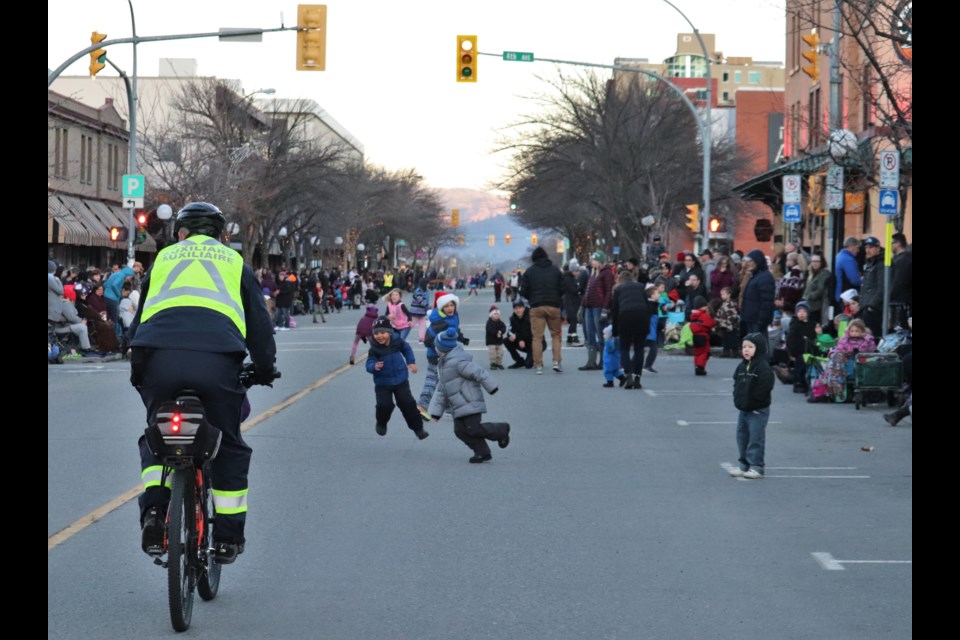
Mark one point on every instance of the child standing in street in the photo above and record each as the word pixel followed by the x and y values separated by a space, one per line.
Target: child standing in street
pixel 391 362
pixel 364 330
pixel 611 358
pixel 752 395
pixel 419 308
pixel 496 330
pixel 397 312
pixel 701 324
pixel 728 323
pixel 444 316
pixel 460 391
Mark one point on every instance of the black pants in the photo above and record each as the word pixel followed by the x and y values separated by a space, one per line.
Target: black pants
pixel 216 377
pixel 386 394
pixel 633 327
pixel 474 433
pixel 515 352
pixel 873 318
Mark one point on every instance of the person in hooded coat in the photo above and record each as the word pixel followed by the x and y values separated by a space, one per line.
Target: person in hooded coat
pixel 460 387
pixel 752 396
pixel 756 312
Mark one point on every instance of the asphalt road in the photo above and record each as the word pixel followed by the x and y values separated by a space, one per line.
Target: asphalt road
pixel 610 515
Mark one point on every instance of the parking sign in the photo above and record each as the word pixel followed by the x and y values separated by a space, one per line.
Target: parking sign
pixel 889 200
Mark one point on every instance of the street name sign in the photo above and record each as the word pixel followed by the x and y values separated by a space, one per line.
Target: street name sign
pixel 518 56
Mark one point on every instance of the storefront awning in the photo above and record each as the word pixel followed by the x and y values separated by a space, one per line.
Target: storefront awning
pixel 87 222
pixel 768 187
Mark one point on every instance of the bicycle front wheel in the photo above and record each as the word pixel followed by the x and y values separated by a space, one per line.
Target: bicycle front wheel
pixel 180 583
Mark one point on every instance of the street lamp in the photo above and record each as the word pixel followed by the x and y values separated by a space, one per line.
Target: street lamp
pixel 164 213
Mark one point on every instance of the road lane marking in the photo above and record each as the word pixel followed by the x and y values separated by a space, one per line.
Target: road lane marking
pixel 828 562
pixel 85 521
pixel 684 423
pixel 729 467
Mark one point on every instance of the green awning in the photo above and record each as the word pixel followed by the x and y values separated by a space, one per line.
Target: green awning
pixel 768 186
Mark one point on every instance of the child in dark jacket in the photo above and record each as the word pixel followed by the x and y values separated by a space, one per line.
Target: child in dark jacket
pixel 752 395
pixel 364 329
pixel 496 330
pixel 391 362
pixel 460 391
pixel 701 325
pixel 801 339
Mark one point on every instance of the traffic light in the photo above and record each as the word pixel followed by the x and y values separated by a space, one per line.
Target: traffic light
pixel 717 225
pixel 507 239
pixel 491 239
pixel 141 227
pixel 311 37
pixel 812 56
pixel 693 218
pixel 98 57
pixel 118 234
pixel 466 58
pixel 533 238
pixel 513 203
pixel 455 218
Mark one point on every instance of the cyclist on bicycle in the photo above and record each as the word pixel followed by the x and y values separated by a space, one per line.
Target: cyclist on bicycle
pixel 203 310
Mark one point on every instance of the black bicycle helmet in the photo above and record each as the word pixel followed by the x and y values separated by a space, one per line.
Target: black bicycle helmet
pixel 201 217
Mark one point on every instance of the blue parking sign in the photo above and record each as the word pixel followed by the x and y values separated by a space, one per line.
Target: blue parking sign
pixel 791 212
pixel 889 199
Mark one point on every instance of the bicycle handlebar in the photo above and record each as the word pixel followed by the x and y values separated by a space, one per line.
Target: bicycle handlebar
pixel 249 376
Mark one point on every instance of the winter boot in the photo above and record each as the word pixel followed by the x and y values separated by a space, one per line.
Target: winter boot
pixel 591 361
pixel 629 383
pixel 636 382
pixel 575 341
pixel 700 371
pixel 898 415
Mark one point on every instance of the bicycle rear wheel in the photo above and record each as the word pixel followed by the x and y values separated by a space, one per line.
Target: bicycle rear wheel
pixel 208 581
pixel 180 582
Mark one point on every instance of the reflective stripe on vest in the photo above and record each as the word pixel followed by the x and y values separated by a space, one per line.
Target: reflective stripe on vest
pixel 197 272
pixel 151 477
pixel 230 502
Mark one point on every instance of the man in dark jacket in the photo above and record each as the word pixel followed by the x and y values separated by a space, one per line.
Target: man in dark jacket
pixel 542 286
pixel 758 296
pixel 695 289
pixel 901 280
pixel 871 290
pixel 520 337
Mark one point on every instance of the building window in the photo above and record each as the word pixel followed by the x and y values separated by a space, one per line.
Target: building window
pixel 84 164
pixel 111 167
pixel 753 77
pixel 726 76
pixel 738 77
pixel 726 96
pixel 118 167
pixel 60 153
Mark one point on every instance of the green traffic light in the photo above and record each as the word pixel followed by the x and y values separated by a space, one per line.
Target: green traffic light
pixel 466 72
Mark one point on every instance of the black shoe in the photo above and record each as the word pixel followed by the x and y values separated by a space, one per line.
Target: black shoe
pixel 423 434
pixel 381 429
pixel 504 441
pixel 588 367
pixel 151 536
pixel 609 383
pixel 799 388
pixel 893 418
pixel 351 361
pixel 636 382
pixel 516 365
pixel 226 552
pixel 622 379
pixel 700 371
pixel 476 459
pixel 629 383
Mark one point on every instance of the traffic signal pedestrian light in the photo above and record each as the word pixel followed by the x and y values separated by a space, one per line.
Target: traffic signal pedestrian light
pixel 693 218
pixel 455 218
pixel 466 58
pixel 717 225
pixel 98 57
pixel 118 234
pixel 311 37
pixel 812 56
pixel 533 238
pixel 141 218
pixel 507 239
pixel 491 240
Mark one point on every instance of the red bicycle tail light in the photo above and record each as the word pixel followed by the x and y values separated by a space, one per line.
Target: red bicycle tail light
pixel 175 423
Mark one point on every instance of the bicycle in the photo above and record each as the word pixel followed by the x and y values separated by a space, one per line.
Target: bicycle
pixel 186 444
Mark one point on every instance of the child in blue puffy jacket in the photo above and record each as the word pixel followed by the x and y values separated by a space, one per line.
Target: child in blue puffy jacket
pixel 611 358
pixel 391 361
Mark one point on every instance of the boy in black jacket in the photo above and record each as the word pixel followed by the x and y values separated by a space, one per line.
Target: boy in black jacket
pixel 496 330
pixel 752 392
pixel 801 339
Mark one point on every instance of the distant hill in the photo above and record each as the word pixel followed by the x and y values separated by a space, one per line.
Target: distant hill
pixel 483 214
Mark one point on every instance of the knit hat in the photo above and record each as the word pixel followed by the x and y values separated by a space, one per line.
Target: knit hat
pixel 607 331
pixel 447 340
pixel 802 304
pixel 850 295
pixel 573 265
pixel 494 309
pixel 699 302
pixel 648 286
pixel 445 299
pixel 539 254
pixel 51 266
pixel 519 302
pixel 599 256
pixel 382 324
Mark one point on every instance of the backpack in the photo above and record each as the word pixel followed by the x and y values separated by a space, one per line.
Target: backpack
pixel 419 304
